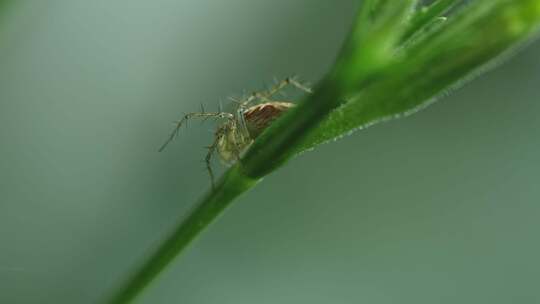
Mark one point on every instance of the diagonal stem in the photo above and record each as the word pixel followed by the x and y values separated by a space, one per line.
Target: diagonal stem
pixel 231 185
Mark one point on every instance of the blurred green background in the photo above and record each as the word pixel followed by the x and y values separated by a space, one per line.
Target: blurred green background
pixel 440 207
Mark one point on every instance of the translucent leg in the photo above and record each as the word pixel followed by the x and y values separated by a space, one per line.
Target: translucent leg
pixel 190 116
pixel 267 95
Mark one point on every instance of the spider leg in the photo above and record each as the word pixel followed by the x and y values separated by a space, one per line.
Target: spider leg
pixel 208 160
pixel 284 83
pixel 185 118
pixel 236 139
pixel 278 87
pixel 236 149
pixel 297 84
pixel 266 95
pixel 230 131
pixel 261 95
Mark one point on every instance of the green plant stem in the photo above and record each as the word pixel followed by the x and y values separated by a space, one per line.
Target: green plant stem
pixel 230 186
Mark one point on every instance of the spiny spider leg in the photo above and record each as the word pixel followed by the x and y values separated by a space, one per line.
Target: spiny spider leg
pixel 265 95
pixel 279 86
pixel 297 84
pixel 208 158
pixel 190 116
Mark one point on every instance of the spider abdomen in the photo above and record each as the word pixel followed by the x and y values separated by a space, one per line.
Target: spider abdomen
pixel 260 116
pixel 232 142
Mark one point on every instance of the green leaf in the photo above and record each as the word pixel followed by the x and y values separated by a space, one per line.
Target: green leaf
pixel 429 14
pixel 472 41
pixel 371 43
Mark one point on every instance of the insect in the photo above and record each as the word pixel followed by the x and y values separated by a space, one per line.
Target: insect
pixel 238 130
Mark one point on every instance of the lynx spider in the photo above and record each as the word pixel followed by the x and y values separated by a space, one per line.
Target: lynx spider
pixel 236 133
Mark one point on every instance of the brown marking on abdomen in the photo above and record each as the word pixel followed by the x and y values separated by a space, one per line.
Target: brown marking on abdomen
pixel 259 117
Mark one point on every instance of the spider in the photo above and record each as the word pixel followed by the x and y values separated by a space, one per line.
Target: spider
pixel 238 130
